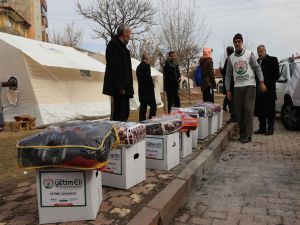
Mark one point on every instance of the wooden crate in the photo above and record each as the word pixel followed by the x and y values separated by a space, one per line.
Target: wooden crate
pixel 31 121
pixel 20 126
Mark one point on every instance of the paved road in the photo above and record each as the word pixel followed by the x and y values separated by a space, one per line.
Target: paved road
pixel 252 184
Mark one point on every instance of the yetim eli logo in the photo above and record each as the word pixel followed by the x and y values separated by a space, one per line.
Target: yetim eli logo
pixel 49 183
pixel 241 67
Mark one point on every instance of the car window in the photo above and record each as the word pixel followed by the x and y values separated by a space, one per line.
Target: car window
pixel 292 68
pixel 283 73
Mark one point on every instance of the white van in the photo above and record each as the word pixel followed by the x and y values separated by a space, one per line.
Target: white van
pixel 288 93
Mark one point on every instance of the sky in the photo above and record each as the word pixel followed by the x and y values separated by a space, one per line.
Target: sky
pixel 274 23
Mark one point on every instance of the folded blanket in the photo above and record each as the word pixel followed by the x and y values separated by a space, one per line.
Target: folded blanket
pixel 74 144
pixel 163 125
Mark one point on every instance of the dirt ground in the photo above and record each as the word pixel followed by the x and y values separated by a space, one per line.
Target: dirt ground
pixel 8 151
pixel 8 140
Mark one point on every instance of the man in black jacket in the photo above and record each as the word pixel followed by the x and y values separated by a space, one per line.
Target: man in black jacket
pixel 229 51
pixel 146 89
pixel 172 79
pixel 265 102
pixel 118 81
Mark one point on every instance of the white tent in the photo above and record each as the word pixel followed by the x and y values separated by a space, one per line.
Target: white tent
pixel 56 83
pixel 156 76
pixel 185 81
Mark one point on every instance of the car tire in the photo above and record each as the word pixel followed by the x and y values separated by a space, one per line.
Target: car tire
pixel 290 116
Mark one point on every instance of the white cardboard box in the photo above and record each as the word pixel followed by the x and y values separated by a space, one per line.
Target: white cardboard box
pixel 213 123
pixel 127 166
pixel 220 120
pixel 186 143
pixel 68 195
pixel 203 128
pixel 195 138
pixel 162 151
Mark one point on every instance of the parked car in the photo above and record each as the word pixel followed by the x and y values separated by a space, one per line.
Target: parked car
pixel 288 93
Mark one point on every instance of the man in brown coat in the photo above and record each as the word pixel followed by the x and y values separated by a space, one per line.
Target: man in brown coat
pixel 207 68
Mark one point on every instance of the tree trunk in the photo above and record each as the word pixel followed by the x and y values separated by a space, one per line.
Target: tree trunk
pixel 188 73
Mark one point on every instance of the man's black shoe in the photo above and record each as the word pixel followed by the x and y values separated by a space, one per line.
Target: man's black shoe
pixel 242 138
pixel 269 132
pixel 246 140
pixel 259 131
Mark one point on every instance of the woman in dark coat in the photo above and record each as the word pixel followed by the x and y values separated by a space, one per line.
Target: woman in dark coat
pixel 146 89
pixel 209 83
pixel 265 102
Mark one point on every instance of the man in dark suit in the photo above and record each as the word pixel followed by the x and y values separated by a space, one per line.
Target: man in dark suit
pixel 172 79
pixel 229 51
pixel 146 89
pixel 118 81
pixel 265 102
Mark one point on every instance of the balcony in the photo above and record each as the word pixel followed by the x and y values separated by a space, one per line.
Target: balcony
pixel 9 30
pixel 45 37
pixel 44 22
pixel 13 15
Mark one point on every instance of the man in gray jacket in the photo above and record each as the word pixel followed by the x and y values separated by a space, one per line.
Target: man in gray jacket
pixel 243 67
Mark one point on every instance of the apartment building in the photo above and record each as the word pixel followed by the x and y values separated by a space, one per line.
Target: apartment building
pixel 27 18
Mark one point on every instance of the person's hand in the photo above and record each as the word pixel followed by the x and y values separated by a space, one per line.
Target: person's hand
pixel 262 87
pixel 228 94
pixel 121 92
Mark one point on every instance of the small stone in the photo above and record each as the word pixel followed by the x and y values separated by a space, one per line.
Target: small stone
pixel 151 187
pixel 136 198
pixel 164 176
pixel 120 212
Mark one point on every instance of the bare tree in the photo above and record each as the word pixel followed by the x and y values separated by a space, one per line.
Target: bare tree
pixel 69 37
pixel 109 14
pixel 148 47
pixel 181 31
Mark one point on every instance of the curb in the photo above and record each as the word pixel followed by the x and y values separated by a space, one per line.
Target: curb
pixel 165 204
